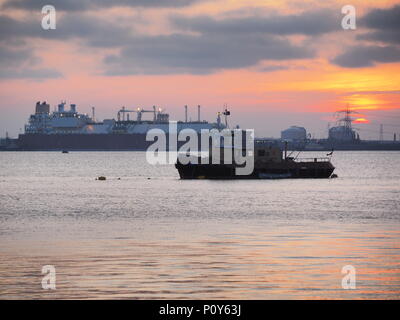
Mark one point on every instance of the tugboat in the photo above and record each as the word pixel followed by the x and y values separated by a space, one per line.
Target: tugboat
pixel 270 162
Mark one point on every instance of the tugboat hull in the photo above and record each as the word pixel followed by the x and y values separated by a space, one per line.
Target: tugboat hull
pixel 283 170
pixel 268 161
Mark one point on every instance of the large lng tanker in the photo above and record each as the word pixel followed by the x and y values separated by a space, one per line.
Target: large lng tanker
pixel 69 130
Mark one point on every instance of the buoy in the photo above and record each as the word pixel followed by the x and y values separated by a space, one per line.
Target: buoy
pixel 101 178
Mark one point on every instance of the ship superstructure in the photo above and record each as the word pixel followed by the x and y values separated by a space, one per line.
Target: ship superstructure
pixel 60 121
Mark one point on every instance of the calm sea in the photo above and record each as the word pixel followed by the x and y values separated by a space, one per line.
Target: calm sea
pixel 149 235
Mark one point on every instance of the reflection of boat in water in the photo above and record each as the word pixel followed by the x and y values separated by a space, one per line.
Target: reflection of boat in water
pixel 269 163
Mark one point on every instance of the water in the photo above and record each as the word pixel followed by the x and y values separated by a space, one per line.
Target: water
pixel 151 235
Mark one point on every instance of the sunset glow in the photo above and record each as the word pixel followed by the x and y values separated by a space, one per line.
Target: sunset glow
pixel 200 158
pixel 361 120
pixel 251 55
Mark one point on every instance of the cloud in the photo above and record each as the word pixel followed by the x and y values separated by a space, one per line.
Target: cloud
pixel 11 28
pixel 271 68
pixel 102 32
pixel 366 56
pixel 176 53
pixel 22 63
pixel 200 54
pixel 83 5
pixel 307 23
pixel 216 44
pixel 149 54
pixel 205 44
pixel 384 23
pixel 30 73
pixel 93 30
pixel 383 19
pixel 383 27
pixel 12 58
pixel 389 36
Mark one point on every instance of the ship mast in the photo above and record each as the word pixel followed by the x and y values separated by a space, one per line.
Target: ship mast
pixel 226 113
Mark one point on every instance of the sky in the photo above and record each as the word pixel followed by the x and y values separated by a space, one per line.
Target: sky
pixel 274 63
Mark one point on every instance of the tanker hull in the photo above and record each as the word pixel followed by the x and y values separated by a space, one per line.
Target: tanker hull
pixel 103 142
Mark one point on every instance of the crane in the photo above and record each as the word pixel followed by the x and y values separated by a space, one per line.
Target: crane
pixel 139 112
